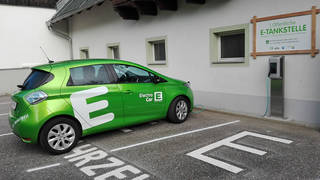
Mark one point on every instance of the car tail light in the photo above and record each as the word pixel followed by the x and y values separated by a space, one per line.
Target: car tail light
pixel 36 97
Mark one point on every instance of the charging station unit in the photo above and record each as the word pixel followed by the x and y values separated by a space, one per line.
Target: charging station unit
pixel 276 85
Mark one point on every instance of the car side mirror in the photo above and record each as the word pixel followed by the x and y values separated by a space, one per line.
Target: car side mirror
pixel 156 80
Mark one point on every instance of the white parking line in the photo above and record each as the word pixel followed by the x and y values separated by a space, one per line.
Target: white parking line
pixel 4 103
pixel 172 136
pixel 43 167
pixel 6 134
pixel 143 176
pixel 126 130
pixel 199 153
pixel 5 114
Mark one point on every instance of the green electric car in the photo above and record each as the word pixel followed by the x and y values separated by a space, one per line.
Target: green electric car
pixel 61 102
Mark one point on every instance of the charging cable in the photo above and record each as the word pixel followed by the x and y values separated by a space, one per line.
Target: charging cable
pixel 268 97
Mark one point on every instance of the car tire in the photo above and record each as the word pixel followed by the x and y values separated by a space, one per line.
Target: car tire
pixel 179 110
pixel 59 135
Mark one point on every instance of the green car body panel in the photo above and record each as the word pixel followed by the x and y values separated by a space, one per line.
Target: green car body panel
pixel 124 104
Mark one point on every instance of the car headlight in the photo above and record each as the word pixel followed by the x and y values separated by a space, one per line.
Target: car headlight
pixel 36 97
pixel 187 84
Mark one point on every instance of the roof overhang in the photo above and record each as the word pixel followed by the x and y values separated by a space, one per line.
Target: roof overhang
pixel 127 9
pixel 73 7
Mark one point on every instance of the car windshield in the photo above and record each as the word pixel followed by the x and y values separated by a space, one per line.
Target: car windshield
pixel 36 79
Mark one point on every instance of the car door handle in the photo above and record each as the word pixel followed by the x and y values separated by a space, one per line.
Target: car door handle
pixel 127 92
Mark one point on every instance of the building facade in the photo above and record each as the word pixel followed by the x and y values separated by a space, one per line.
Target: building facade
pixel 23 31
pixel 190 53
pixel 188 41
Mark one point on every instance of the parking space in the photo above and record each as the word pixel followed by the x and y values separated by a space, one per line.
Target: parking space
pixel 207 146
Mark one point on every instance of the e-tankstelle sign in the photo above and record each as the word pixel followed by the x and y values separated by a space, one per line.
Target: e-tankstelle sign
pixel 284 34
pixel 293 33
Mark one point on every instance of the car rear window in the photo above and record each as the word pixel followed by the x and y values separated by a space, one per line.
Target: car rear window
pixel 36 79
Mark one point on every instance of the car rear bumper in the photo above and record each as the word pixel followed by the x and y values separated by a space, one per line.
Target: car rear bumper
pixel 23 127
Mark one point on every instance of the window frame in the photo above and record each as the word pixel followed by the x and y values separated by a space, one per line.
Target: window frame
pixel 110 50
pixel 150 55
pixel 118 80
pixel 215 43
pixel 81 52
pixel 106 68
pixel 154 43
pixel 112 70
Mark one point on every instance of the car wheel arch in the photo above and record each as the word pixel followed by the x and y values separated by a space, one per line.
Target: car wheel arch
pixel 175 97
pixel 60 116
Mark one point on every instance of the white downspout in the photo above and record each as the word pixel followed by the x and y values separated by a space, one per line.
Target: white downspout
pixel 63 35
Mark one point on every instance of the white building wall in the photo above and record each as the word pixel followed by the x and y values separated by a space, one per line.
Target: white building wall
pixel 228 87
pixel 22 31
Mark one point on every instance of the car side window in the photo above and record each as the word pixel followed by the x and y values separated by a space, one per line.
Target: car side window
pixel 131 74
pixel 89 75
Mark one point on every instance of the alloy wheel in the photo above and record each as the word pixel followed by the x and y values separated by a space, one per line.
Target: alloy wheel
pixel 61 136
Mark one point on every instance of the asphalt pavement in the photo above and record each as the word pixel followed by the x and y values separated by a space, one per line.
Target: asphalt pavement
pixel 208 145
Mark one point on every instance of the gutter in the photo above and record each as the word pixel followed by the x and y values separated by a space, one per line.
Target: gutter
pixel 63 35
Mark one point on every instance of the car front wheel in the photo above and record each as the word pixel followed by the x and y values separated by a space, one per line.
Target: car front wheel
pixel 179 110
pixel 59 135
